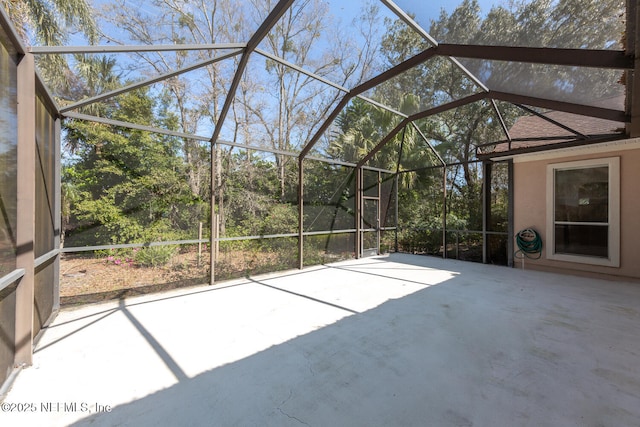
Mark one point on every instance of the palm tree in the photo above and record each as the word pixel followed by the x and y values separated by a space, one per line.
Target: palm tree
pixel 361 126
pixel 47 23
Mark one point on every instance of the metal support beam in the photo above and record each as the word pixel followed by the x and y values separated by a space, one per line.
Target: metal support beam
pixel 426 55
pixel 431 147
pixel 449 106
pixel 436 110
pixel 46 97
pixel 550 120
pixel 378 222
pixel 325 125
pixel 395 185
pixel 358 90
pixel 382 106
pixel 11 278
pixel 358 215
pixel 486 208
pixel 153 129
pixel 438 166
pixel 133 86
pixel 594 139
pixel 270 21
pixel 503 125
pixel 397 182
pixel 57 211
pixel 383 142
pixel 614 59
pixel 444 211
pixel 212 221
pixel 301 70
pixel 404 17
pixel 62 50
pixel 510 215
pixel 15 44
pixel 262 31
pixel 633 77
pixel 468 73
pixel 583 110
pixel 406 65
pixel 417 28
pixel 25 227
pixel 300 213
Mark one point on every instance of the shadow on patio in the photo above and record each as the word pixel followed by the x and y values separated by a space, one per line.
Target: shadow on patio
pixel 365 342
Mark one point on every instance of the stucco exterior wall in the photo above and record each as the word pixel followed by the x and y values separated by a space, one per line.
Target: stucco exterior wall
pixel 530 210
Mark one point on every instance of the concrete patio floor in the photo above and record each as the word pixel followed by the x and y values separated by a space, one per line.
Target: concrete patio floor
pixel 402 340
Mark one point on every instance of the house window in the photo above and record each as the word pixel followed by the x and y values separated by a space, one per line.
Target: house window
pixel 583 211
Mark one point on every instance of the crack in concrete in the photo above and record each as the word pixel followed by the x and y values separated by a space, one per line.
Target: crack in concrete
pixel 279 408
pixel 306 356
pixel 292 417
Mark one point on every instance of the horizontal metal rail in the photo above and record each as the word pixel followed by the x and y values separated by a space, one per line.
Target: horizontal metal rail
pixel 449 230
pixel 160 131
pixel 589 223
pixel 266 236
pixel 195 241
pixel 131 245
pixel 11 278
pixel 497 233
pixel 220 239
pixel 43 50
pixel 43 259
pixel 324 233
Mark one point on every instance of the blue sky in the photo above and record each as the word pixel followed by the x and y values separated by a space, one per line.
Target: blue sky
pixel 436 5
pixel 425 10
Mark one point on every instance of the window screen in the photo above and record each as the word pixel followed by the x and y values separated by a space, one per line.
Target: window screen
pixel 581 211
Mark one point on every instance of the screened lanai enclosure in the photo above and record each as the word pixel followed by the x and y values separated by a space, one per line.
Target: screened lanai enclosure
pixel 190 142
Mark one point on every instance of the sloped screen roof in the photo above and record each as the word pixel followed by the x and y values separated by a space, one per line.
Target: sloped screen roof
pixel 351 81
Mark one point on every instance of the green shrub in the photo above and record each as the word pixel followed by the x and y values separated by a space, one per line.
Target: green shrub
pixel 154 256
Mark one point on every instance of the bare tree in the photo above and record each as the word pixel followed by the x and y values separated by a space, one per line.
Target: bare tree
pixel 275 106
pixel 308 36
pixel 197 96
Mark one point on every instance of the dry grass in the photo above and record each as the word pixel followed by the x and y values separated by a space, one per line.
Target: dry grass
pixel 87 279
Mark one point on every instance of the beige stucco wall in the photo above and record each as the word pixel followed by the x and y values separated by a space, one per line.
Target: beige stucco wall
pixel 530 209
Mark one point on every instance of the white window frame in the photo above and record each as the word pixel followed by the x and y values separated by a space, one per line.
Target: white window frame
pixel 613 164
